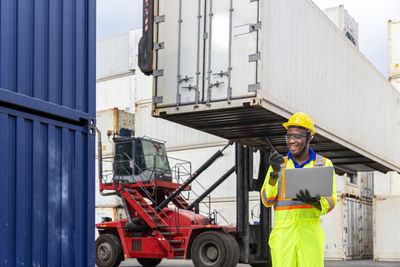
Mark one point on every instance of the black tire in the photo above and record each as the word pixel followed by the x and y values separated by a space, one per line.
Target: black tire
pixel 212 249
pixel 147 262
pixel 108 251
pixel 236 250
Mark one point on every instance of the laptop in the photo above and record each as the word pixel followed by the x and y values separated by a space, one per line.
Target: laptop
pixel 318 181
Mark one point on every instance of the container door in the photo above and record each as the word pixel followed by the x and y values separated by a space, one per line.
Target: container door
pixel 231 50
pixel 206 51
pixel 179 45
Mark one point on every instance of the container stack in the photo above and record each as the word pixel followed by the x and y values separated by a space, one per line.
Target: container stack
pixel 348 228
pixel 345 23
pixel 113 120
pixel 115 106
pixel 386 209
pixel 122 86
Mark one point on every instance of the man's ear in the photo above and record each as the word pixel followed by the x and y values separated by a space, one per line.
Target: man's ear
pixel 311 138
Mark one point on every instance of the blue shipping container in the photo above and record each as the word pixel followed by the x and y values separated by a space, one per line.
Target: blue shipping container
pixel 47 115
pixel 48 56
pixel 47 191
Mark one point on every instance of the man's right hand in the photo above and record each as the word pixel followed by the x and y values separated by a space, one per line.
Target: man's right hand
pixel 275 160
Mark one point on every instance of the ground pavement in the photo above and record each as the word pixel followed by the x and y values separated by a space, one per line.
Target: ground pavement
pixel 188 263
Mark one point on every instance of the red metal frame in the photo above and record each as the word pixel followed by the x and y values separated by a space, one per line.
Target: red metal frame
pixel 171 230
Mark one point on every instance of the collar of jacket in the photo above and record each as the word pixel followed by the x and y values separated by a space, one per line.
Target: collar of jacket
pixel 313 156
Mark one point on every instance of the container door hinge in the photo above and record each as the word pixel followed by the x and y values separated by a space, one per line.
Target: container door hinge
pixel 157 73
pixel 229 94
pixel 159 19
pixel 178 100
pixel 253 1
pixel 158 46
pixel 255 27
pixel 157 100
pixel 254 57
pixel 253 87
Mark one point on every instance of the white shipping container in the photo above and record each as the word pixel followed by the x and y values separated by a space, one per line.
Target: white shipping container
pixel 394 183
pixel 366 180
pixel 341 18
pixel 348 230
pixel 382 184
pixel 226 208
pixel 345 186
pixel 113 120
pixel 143 88
pixel 396 83
pixel 198 157
pixel 386 228
pixel 394 49
pixel 117 92
pixel 115 213
pixel 366 230
pixel 105 201
pixel 386 184
pixel 177 137
pixel 261 67
pixel 117 55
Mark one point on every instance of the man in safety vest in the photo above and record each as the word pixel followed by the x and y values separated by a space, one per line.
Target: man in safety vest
pixel 297 238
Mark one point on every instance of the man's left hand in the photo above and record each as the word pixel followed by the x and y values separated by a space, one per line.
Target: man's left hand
pixel 304 196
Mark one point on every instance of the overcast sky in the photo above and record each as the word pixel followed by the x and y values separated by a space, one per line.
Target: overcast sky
pixel 118 16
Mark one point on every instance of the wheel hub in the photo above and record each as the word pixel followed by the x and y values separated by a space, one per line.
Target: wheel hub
pixel 209 253
pixel 104 251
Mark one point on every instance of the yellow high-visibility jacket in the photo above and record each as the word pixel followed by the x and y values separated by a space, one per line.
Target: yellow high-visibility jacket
pixel 297 238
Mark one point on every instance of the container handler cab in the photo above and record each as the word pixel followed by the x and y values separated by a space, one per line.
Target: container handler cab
pixel 160 223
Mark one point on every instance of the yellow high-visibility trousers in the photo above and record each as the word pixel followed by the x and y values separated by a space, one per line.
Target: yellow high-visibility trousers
pixel 298 245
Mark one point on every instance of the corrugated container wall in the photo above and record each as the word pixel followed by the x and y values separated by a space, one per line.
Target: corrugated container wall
pixel 348 230
pixel 118 92
pixel 386 228
pixel 396 84
pixel 386 184
pixel 47 115
pixel 394 49
pixel 116 55
pixel 176 136
pixel 119 84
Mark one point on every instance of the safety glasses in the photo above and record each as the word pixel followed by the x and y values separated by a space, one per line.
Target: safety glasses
pixel 296 137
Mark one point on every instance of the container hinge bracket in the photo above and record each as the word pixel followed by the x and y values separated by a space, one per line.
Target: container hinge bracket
pixel 178 100
pixel 91 126
pixel 157 100
pixel 159 19
pixel 229 94
pixel 157 73
pixel 158 46
pixel 254 57
pixel 255 27
pixel 253 1
pixel 253 87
